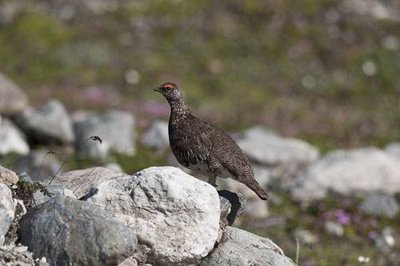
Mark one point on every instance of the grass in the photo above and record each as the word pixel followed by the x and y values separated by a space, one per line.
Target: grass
pixel 328 249
pixel 279 65
pixel 301 68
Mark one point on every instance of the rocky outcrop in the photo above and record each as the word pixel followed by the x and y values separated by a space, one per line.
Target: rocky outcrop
pixel 239 247
pixel 7 211
pixel 83 181
pixel 19 255
pixel 49 123
pixel 176 216
pixel 159 215
pixel 72 232
pixel 347 172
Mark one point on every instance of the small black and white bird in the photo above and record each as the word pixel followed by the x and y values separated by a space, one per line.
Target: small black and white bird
pixel 203 148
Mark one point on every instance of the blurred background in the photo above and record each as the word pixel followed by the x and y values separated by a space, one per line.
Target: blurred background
pixel 327 72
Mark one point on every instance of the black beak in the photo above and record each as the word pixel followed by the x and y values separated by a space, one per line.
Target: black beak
pixel 158 89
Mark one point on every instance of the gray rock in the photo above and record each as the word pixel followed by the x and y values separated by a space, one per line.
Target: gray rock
pixel 380 204
pixel 231 205
pixel 131 261
pixel 12 99
pixel 41 165
pixel 7 176
pixel 115 128
pixel 239 247
pixel 176 216
pixel 48 124
pixel 268 149
pixel 156 136
pixel 55 190
pixel 82 181
pixel 7 211
pixel 71 232
pixel 19 255
pixel 349 171
pixel 393 149
pixel 11 138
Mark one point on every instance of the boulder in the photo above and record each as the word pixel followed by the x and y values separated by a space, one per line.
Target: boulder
pixel 347 172
pixel 270 150
pixel 239 247
pixel 49 123
pixel 175 215
pixel 11 138
pixel 393 149
pixel 40 164
pixel 71 232
pixel 7 176
pixel 81 182
pixel 12 99
pixel 380 204
pixel 156 136
pixel 115 128
pixel 7 211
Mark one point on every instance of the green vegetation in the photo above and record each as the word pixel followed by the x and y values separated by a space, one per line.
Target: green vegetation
pixel 316 70
pixel 358 236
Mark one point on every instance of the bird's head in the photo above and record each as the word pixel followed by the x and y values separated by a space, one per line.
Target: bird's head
pixel 170 91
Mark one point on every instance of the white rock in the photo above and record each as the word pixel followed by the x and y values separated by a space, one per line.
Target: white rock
pixel 7 176
pixel 266 148
pixel 239 247
pixel 393 149
pixel 11 138
pixel 48 123
pixel 115 128
pixel 12 98
pixel 81 181
pixel 156 136
pixel 7 211
pixel 175 215
pixel 380 204
pixel 347 172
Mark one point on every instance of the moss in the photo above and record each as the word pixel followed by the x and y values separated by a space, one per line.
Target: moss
pixel 144 157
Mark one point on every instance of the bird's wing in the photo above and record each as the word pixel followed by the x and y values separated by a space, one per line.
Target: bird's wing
pixel 223 148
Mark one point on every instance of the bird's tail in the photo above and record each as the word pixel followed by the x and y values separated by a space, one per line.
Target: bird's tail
pixel 253 185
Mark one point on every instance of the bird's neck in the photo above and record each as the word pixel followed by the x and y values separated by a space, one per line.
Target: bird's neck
pixel 178 107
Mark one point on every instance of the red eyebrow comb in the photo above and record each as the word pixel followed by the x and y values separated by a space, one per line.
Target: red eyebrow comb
pixel 169 85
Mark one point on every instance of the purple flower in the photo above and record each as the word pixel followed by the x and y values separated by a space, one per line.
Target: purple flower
pixel 342 217
pixel 372 235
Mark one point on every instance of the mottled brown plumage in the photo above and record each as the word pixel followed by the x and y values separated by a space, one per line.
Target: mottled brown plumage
pixel 203 148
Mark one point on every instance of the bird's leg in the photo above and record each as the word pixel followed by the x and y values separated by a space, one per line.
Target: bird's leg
pixel 212 180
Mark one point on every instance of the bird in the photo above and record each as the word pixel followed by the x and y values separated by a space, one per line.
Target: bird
pixel 203 148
